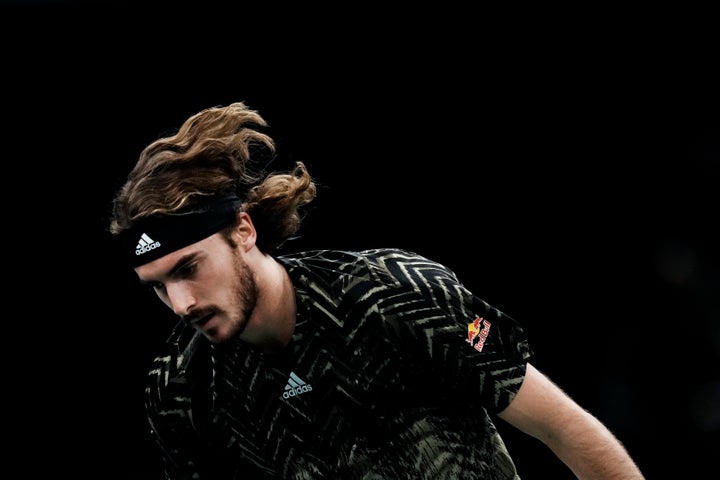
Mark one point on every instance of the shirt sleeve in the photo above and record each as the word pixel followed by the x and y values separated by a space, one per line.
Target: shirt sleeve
pixel 472 350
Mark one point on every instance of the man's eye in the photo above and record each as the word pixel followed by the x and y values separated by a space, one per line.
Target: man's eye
pixel 154 287
pixel 187 270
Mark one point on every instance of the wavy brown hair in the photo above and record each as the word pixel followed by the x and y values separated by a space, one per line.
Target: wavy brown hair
pixel 218 151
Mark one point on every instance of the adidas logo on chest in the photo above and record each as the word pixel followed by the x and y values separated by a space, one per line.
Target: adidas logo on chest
pixel 295 387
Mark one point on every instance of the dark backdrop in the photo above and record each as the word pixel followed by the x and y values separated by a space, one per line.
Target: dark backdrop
pixel 566 170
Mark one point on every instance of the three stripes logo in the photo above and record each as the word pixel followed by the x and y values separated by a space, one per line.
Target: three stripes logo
pixel 145 244
pixel 295 386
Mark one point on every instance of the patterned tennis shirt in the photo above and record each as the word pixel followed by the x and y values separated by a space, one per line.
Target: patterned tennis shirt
pixel 393 373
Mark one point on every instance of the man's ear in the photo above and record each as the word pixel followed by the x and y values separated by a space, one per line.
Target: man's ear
pixel 245 231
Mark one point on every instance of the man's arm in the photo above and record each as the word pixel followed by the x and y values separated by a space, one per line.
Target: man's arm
pixel 541 409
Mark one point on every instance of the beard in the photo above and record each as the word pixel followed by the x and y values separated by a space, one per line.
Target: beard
pixel 244 293
pixel 245 290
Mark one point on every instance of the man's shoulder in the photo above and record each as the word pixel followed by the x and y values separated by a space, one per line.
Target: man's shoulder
pixel 350 262
pixel 379 266
pixel 372 255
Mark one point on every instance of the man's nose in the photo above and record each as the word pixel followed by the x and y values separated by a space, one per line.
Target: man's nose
pixel 182 301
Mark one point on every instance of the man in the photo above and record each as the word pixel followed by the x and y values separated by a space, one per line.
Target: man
pixel 375 364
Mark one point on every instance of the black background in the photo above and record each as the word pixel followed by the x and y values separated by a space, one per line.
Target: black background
pixel 564 164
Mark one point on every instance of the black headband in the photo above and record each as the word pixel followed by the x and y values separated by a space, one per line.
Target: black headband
pixel 153 237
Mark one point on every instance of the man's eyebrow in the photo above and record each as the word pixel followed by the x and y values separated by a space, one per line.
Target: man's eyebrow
pixel 182 261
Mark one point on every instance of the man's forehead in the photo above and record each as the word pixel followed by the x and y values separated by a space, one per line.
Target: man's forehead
pixel 165 265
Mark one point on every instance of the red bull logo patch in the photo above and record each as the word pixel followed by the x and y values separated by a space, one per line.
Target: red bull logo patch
pixel 477 333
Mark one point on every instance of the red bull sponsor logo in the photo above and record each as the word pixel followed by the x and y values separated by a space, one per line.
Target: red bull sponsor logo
pixel 478 333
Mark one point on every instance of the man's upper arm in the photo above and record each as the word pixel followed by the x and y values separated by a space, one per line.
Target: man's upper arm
pixel 540 407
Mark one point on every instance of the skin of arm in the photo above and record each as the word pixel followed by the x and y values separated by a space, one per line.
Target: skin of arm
pixel 544 411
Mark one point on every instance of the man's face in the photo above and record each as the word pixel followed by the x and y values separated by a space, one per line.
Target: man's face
pixel 208 284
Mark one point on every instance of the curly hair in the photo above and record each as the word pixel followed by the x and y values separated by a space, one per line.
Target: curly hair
pixel 217 151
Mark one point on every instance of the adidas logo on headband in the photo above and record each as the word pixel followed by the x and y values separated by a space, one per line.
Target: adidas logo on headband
pixel 145 244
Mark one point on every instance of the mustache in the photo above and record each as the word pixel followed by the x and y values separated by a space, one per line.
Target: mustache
pixel 198 315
